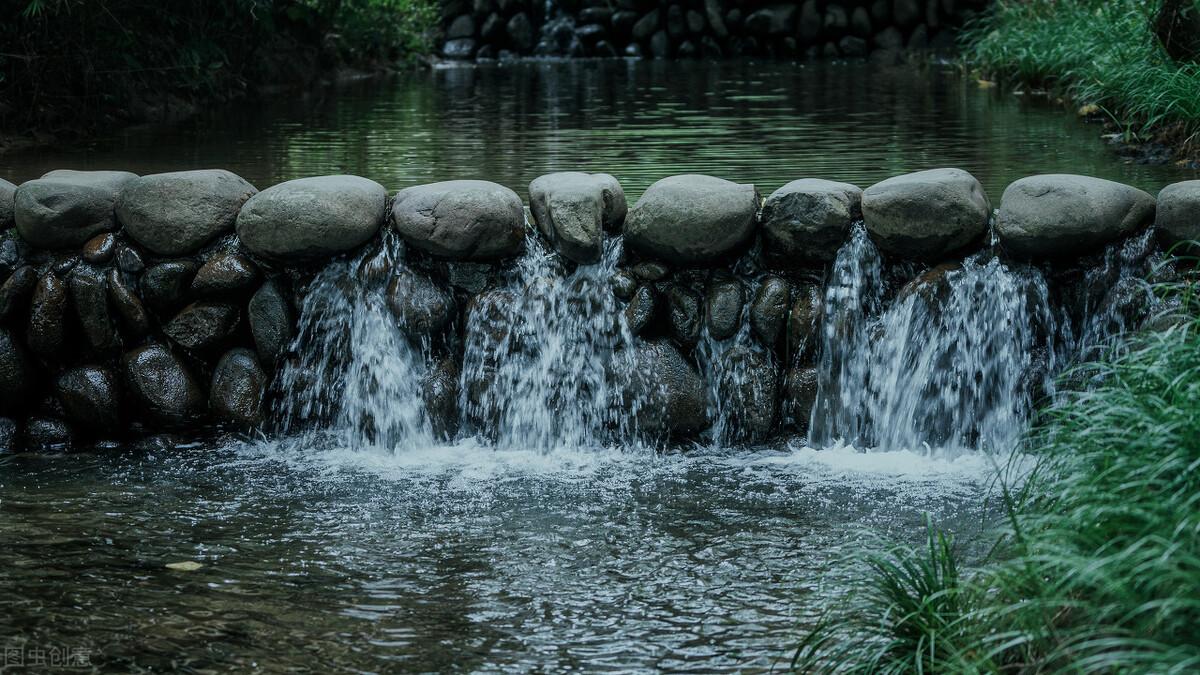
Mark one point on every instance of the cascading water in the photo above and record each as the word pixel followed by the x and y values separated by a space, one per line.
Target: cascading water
pixel 547 356
pixel 945 366
pixel 357 376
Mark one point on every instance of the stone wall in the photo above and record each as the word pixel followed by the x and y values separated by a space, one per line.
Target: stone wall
pixel 134 306
pixel 490 29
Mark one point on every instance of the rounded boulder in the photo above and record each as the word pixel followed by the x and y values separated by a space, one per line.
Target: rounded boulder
pixel 1063 215
pixel 312 218
pixel 159 381
pixel 926 215
pixel 65 208
pixel 176 213
pixel 807 220
pixel 692 219
pixel 573 209
pixel 1177 218
pixel 461 219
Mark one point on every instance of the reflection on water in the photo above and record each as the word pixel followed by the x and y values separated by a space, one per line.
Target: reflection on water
pixel 447 558
pixel 765 123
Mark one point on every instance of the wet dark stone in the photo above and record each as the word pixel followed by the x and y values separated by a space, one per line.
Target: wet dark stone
pixel 16 374
pixel 723 307
pixel 271 323
pixel 128 306
pixel 15 292
pixel 8 436
pixel 47 317
pixel 650 270
pixel 799 397
pixel 47 434
pixel 100 249
pixel 165 286
pixel 422 306
pixel 439 389
pixel 202 325
pixel 90 397
pixel 89 291
pixel 238 388
pixel 10 254
pixel 749 392
pixel 640 310
pixel 623 285
pixel 769 309
pixel 804 321
pixel 932 286
pixel 225 275
pixel 64 264
pixel 130 261
pixel 669 390
pixel 160 382
pixel 683 306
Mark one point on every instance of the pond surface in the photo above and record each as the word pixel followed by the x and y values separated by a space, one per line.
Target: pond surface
pixel 469 558
pixel 763 123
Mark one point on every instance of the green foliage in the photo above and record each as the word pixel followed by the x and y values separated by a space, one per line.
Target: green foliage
pixel 1097 569
pixel 72 61
pixel 1101 52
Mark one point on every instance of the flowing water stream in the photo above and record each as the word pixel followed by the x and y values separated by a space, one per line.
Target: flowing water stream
pixel 545 533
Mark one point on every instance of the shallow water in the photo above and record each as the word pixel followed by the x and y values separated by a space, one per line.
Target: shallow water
pixel 456 557
pixel 765 123
pixel 318 555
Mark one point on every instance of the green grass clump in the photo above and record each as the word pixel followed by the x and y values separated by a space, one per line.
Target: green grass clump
pixel 1101 52
pixel 1097 569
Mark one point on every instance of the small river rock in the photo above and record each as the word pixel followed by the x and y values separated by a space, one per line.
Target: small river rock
pixel 46 434
pixel 91 397
pixel 272 323
pixel 439 391
pixel 202 325
pixel 683 312
pixel 16 374
pixel 165 286
pixel 639 313
pixel 807 220
pixel 723 307
pixel 926 215
pixel 100 249
pixel 176 213
pixel 312 218
pixel 1063 215
pixel 15 292
pixel 692 219
pixel 128 306
pixel 804 322
pixel 226 274
pixel 422 306
pixel 749 391
pixel 238 388
pixel 160 382
pixel 65 208
pixel 461 219
pixel 769 309
pixel 47 317
pixel 89 294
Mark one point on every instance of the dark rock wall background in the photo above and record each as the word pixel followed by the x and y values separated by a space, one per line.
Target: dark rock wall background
pixel 490 29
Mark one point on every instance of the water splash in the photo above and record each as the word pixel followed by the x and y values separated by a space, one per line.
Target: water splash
pixel 356 377
pixel 548 356
pixel 946 366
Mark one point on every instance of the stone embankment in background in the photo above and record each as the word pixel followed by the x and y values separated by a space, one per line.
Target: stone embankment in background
pixel 491 29
pixel 134 306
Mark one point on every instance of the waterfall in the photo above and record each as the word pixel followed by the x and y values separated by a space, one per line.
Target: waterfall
pixel 547 356
pixel 946 365
pixel 357 377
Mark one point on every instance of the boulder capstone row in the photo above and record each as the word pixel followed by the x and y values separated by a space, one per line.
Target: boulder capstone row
pixel 166 303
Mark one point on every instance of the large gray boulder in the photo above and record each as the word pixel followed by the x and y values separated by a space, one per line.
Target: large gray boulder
pixel 692 219
pixel 1177 218
pixel 573 209
pixel 174 214
pixel 926 215
pixel 461 219
pixel 667 392
pixel 312 218
pixel 1063 215
pixel 807 220
pixel 65 208
pixel 8 195
pixel 166 392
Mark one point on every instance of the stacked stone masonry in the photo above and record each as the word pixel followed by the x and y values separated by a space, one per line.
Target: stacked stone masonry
pixel 134 306
pixel 709 29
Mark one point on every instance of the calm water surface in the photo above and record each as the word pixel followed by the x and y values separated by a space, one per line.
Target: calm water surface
pixel 467 558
